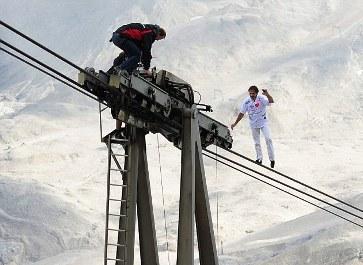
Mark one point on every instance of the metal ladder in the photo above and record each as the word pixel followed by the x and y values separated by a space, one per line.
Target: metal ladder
pixel 115 252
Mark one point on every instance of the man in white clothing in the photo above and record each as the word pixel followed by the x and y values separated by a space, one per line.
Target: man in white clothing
pixel 255 105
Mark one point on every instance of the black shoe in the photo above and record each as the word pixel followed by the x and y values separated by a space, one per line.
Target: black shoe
pixel 119 133
pixel 259 161
pixel 272 163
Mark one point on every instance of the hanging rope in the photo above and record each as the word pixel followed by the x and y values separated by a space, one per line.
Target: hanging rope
pixel 162 193
pixel 218 249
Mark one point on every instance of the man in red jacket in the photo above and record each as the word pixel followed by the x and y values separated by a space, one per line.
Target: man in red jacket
pixel 135 40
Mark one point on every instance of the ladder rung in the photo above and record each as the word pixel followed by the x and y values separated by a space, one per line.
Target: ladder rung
pixel 116 259
pixel 117 200
pixel 116 169
pixel 118 230
pixel 118 185
pixel 119 141
pixel 118 215
pixel 120 155
pixel 116 245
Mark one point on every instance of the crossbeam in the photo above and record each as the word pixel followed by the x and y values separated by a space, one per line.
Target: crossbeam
pixel 153 104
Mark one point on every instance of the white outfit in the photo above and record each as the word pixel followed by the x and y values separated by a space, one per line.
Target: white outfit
pixel 258 122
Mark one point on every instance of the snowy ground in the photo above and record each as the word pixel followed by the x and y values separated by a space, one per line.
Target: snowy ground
pixel 309 54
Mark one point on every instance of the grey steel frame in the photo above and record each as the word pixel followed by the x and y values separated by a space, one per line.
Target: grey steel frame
pixel 138 194
pixel 194 201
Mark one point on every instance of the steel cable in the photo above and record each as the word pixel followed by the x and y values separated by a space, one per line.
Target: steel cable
pixel 46 49
pixel 286 185
pixel 296 196
pixel 294 180
pixel 47 73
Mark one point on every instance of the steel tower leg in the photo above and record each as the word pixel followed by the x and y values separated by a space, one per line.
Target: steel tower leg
pixel 185 255
pixel 194 199
pixel 138 194
pixel 147 235
pixel 134 150
pixel 204 224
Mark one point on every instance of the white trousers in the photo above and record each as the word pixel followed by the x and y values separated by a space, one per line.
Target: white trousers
pixel 256 138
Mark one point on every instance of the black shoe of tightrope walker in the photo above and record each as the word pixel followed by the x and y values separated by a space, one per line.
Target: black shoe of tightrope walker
pixel 272 163
pixel 259 161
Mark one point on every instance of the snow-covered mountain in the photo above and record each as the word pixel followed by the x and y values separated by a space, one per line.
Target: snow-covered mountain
pixel 308 54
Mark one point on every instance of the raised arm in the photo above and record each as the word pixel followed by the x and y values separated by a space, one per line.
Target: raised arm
pixel 265 92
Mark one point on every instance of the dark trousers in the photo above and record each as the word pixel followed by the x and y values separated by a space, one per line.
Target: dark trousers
pixel 132 53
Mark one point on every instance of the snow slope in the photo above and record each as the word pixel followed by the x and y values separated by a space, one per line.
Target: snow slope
pixel 311 239
pixel 309 54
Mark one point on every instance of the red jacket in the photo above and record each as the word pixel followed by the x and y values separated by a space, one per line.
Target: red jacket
pixel 143 35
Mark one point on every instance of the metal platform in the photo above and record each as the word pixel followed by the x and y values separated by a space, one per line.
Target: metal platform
pixel 154 104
